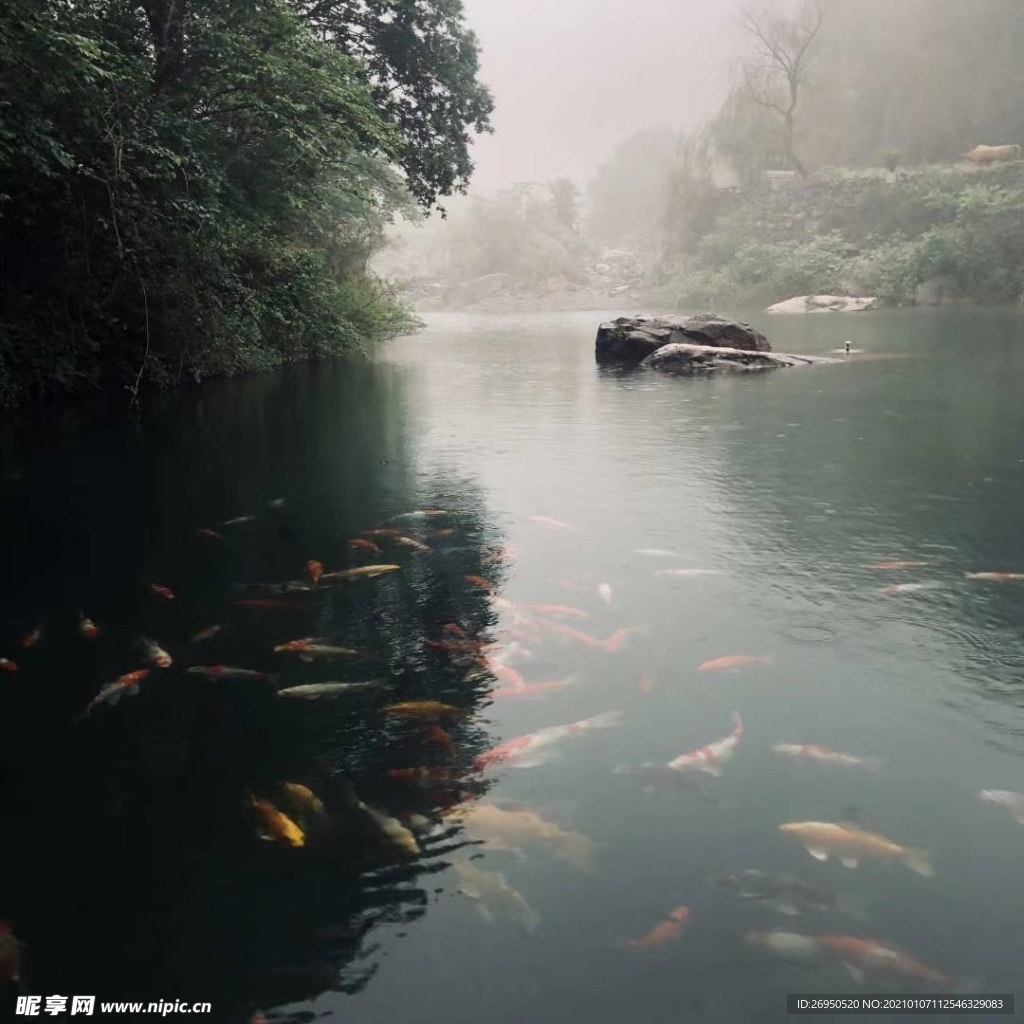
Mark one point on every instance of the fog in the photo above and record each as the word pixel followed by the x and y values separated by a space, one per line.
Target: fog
pixel 572 78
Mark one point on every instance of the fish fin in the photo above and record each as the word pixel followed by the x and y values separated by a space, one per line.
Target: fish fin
pixel 917 860
pixel 848 862
pixel 821 855
pixel 855 972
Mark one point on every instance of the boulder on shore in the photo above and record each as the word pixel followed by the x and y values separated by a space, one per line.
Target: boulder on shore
pixel 825 304
pixel 631 339
pixel 695 359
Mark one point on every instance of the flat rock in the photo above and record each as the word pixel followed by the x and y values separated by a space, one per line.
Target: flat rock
pixel 631 339
pixel 825 304
pixel 698 359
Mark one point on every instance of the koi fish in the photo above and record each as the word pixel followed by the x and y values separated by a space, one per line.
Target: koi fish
pixel 314 570
pixel 87 627
pixel 494 896
pixel 206 634
pixel 618 639
pixel 512 830
pixel 908 588
pixel 275 825
pixel 424 709
pixel 868 956
pixel 533 749
pixel 313 691
pixel 125 686
pixel 364 544
pixel 389 828
pixel 572 634
pixel 7 665
pixel 995 577
pixel 823 754
pixel 382 533
pixel 10 954
pixel 898 565
pixel 788 946
pixel 781 893
pixel 849 844
pixel 557 610
pixel 688 573
pixel 303 798
pixel 32 638
pixel 662 934
pixel 442 534
pixel 208 534
pixel 604 591
pixel 479 581
pixel 229 672
pixel 554 524
pixel 369 571
pixel 734 661
pixel 532 689
pixel 710 758
pixel 155 654
pixel 408 542
pixel 436 735
pixel 309 649
pixel 238 520
pixel 165 592
pixel 420 513
pixel 1013 802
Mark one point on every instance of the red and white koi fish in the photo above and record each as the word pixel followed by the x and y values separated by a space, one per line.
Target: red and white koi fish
pixel 155 654
pixel 868 956
pixel 734 661
pixel 87 627
pixel 1013 802
pixel 165 592
pixel 125 686
pixel 809 752
pixel 208 533
pixel 532 689
pixel 554 524
pixel 534 748
pixel 32 638
pixel 6 665
pixel 710 758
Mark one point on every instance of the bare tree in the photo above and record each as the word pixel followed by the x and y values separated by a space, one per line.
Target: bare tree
pixel 777 71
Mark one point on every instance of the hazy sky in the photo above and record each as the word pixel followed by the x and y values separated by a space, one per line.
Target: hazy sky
pixel 572 78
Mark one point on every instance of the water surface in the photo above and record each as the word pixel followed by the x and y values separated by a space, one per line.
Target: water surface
pixel 134 867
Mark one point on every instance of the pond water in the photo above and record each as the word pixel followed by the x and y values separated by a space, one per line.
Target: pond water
pixel 133 862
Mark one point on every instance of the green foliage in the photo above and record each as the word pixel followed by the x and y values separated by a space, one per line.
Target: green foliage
pixel 189 189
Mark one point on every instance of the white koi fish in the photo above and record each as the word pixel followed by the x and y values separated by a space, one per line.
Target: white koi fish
pixel 809 752
pixel 1013 802
pixel 604 591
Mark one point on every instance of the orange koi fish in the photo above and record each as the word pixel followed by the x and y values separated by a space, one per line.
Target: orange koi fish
pixel 209 534
pixel 364 544
pixel 275 826
pixel 206 634
pixel 87 627
pixel 618 639
pixel 868 956
pixel 7 665
pixel 734 661
pixel 424 709
pixel 32 638
pixel 165 592
pixel 479 581
pixel 662 934
pixel 314 570
pixel 572 634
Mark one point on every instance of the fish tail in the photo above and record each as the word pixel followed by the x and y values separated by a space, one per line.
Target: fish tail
pixel 919 861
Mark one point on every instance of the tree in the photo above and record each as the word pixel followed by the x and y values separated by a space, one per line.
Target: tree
pixel 784 51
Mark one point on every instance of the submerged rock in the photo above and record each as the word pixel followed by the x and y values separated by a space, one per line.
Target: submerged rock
pixel 631 339
pixel 825 304
pixel 691 359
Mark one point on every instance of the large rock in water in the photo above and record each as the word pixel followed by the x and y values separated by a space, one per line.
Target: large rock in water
pixel 825 304
pixel 631 339
pixel 694 359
